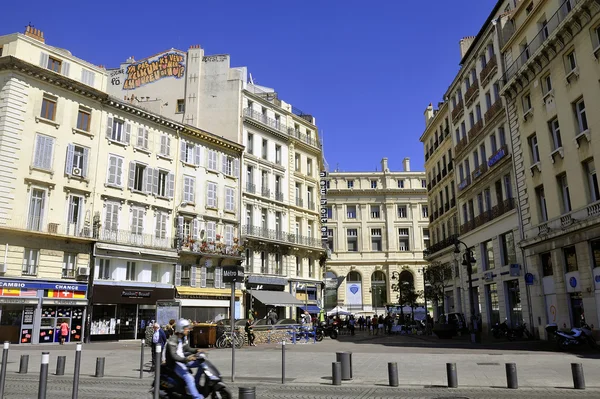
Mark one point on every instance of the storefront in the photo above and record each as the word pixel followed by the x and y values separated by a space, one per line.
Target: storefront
pixel 31 312
pixel 207 304
pixel 265 293
pixel 123 312
pixel 307 293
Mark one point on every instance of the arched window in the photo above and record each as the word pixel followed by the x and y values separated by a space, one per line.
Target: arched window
pixel 378 289
pixel 354 277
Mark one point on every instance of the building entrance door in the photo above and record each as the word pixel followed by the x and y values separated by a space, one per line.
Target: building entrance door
pixel 126 321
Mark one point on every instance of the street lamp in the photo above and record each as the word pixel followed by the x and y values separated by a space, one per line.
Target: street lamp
pixel 468 261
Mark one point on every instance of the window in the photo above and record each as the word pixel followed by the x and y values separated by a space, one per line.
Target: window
pixel 44 150
pixel 142 138
pixel 104 269
pixel 592 180
pixel 229 199
pixel 595 38
pixel 84 118
pixel 555 134
pixel 139 177
pixel 330 244
pixel 35 219
pixel 54 64
pixel 311 268
pixel 211 231
pixel 595 246
pixel 581 117
pixel 31 259
pixel 330 213
pixel 375 212
pixel 526 103
pixel 463 129
pixel 165 145
pixel 230 166
pixel 475 159
pixel 249 260
pixel 190 153
pixel 401 183
pixel 117 130
pixel 309 167
pixel 48 108
pixel 488 100
pixel 541 199
pixel 189 189
pixel 403 240
pixel 265 149
pixel 478 112
pixel 164 183
pixel 250 144
pixel 211 195
pixel 565 196
pixel 162 220
pixel 74 215
pixel 571 62
pixel 111 216
pixel 180 106
pixel 425 211
pixel 298 266
pixel 403 211
pixel 547 269
pixel 278 188
pixel 488 248
pixel 533 148
pixel 375 239
pixel 297 162
pixel 352 240
pixel 544 29
pixel 350 183
pixel 373 183
pixel 137 221
pixel 570 259
pixel 423 183
pixel 425 238
pixel 351 211
pixel 483 154
pixel 155 273
pixel 509 256
pixel 130 274
pixel 546 85
pixel 278 154
pixel 228 235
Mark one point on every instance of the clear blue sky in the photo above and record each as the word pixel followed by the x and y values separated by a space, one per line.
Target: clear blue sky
pixel 365 69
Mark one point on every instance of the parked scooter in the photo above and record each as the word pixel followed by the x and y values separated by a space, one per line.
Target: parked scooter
pixel 210 383
pixel 521 332
pixel 324 330
pixel 501 330
pixel 575 337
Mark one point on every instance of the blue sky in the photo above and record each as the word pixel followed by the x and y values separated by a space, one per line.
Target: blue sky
pixel 365 69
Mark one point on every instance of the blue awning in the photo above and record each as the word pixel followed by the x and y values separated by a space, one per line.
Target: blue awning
pixel 311 308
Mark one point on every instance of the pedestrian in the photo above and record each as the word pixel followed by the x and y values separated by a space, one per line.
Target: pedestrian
pixel 380 324
pixel 64 332
pixel 158 338
pixel 351 324
pixel 169 328
pixel 361 322
pixel 272 317
pixel 374 325
pixel 389 323
pixel 368 320
pixel 249 332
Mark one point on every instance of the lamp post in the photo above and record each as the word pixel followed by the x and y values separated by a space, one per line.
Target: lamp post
pixel 468 261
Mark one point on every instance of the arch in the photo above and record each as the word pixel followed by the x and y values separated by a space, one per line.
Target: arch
pixel 378 276
pixel 379 291
pixel 407 276
pixel 354 276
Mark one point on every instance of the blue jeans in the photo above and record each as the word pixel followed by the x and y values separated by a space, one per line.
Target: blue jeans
pixel 183 372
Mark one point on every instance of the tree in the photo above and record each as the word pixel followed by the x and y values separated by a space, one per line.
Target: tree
pixel 438 276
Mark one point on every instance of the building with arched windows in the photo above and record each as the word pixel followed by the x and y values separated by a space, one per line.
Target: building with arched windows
pixel 378 228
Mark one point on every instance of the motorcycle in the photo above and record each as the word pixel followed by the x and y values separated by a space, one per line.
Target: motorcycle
pixel 575 337
pixel 324 330
pixel 210 383
pixel 521 331
pixel 503 330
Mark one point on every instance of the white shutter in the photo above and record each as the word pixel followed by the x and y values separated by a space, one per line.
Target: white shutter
pixel 193 271
pixel 48 152
pixel 229 235
pixel 218 277
pixel 178 274
pixel 119 172
pixel 127 133
pixel 44 60
pixel 38 154
pixel 197 150
pixel 109 127
pixel 140 137
pixel 171 185
pixel 211 231
pixel 192 189
pixel 112 170
pixel 155 182
pixel 163 144
pixel 65 68
pixel 168 146
pixel 195 228
pixel 149 180
pixel 229 206
pixel 224 163
pixel 203 275
pixel 236 167
pixel 211 195
pixel 131 175
pixel 86 155
pixel 183 148
pixel 146 138
pixel 179 226
pixel 69 160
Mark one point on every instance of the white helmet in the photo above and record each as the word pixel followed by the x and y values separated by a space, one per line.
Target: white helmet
pixel 181 325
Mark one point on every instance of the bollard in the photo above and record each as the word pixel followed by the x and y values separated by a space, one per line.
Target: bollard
pixel 23 365
pixel 3 372
pixel 142 361
pixel 157 362
pixel 247 393
pixel 99 367
pixel 393 373
pixel 76 372
pixel 60 365
pixel 346 359
pixel 283 362
pixel 336 373
pixel 43 375
pixel 578 379
pixel 452 377
pixel 511 376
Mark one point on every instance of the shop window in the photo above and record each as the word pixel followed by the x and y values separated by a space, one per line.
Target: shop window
pixel 570 259
pixel 104 320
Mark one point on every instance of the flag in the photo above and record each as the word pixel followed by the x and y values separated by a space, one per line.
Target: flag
pixel 51 293
pixel 28 292
pixel 66 294
pixel 11 291
pixel 79 294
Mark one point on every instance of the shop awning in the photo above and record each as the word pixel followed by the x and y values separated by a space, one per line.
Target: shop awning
pixel 276 298
pixel 206 292
pixel 311 309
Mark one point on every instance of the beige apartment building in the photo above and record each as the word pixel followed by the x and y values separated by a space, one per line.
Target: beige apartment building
pixel 378 228
pixel 102 193
pixel 550 49
pixel 279 170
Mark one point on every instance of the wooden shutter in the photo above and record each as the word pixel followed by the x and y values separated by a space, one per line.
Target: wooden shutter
pixel 119 172
pixel 149 179
pixel 183 148
pixel 236 167
pixel 69 160
pixel 163 145
pixel 168 146
pixel 171 184
pixel 109 127
pixel 127 133
pixel 140 137
pixel 197 150
pixel 65 68
pixel 195 228
pixel 155 183
pixel 224 164
pixel 179 226
pixel 86 155
pixel 178 274
pixel 193 271
pixel 44 60
pixel 203 270
pixel 218 277
pixel 131 175
pixel 192 191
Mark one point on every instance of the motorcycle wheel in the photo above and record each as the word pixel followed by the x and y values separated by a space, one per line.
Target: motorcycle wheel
pixel 222 393
pixel 319 337
pixel 561 343
pixel 333 334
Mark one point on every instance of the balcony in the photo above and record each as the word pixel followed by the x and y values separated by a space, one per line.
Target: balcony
pixel 277 235
pixel 458 111
pixel 265 192
pixel 126 237
pixel 461 145
pixel 471 93
pixel 493 111
pixel 50 226
pixel 265 120
pixel 311 205
pixel 68 273
pixel 303 137
pixel 250 188
pixel 438 246
pixel 476 130
pixel 498 156
pixel 279 196
pixel 299 201
pixel 488 71
pixel 464 184
pixel 214 248
pixel 479 171
pixel 487 216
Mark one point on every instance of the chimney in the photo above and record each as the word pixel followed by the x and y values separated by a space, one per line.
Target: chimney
pixel 406 164
pixel 384 165
pixel 428 114
pixel 34 33
pixel 465 45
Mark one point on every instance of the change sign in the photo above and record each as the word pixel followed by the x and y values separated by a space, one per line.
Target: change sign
pixel 233 274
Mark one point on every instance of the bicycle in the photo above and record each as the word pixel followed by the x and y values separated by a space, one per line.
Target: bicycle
pixel 228 339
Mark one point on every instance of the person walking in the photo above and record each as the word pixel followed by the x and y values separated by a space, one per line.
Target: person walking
pixel 380 324
pixel 368 323
pixel 375 325
pixel 158 338
pixel 351 324
pixel 64 332
pixel 249 332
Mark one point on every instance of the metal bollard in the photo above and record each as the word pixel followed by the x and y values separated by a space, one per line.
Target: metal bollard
pixel 393 374
pixel 142 361
pixel 336 373
pixel 511 376
pixel 578 379
pixel 346 359
pixel 157 362
pixel 99 367
pixel 76 372
pixel 60 365
pixel 452 377
pixel 3 372
pixel 283 362
pixel 43 375
pixel 23 365
pixel 247 393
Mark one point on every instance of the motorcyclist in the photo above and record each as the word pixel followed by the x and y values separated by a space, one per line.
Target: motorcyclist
pixel 181 357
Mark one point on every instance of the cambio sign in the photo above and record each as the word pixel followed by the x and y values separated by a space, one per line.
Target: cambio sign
pixel 323 189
